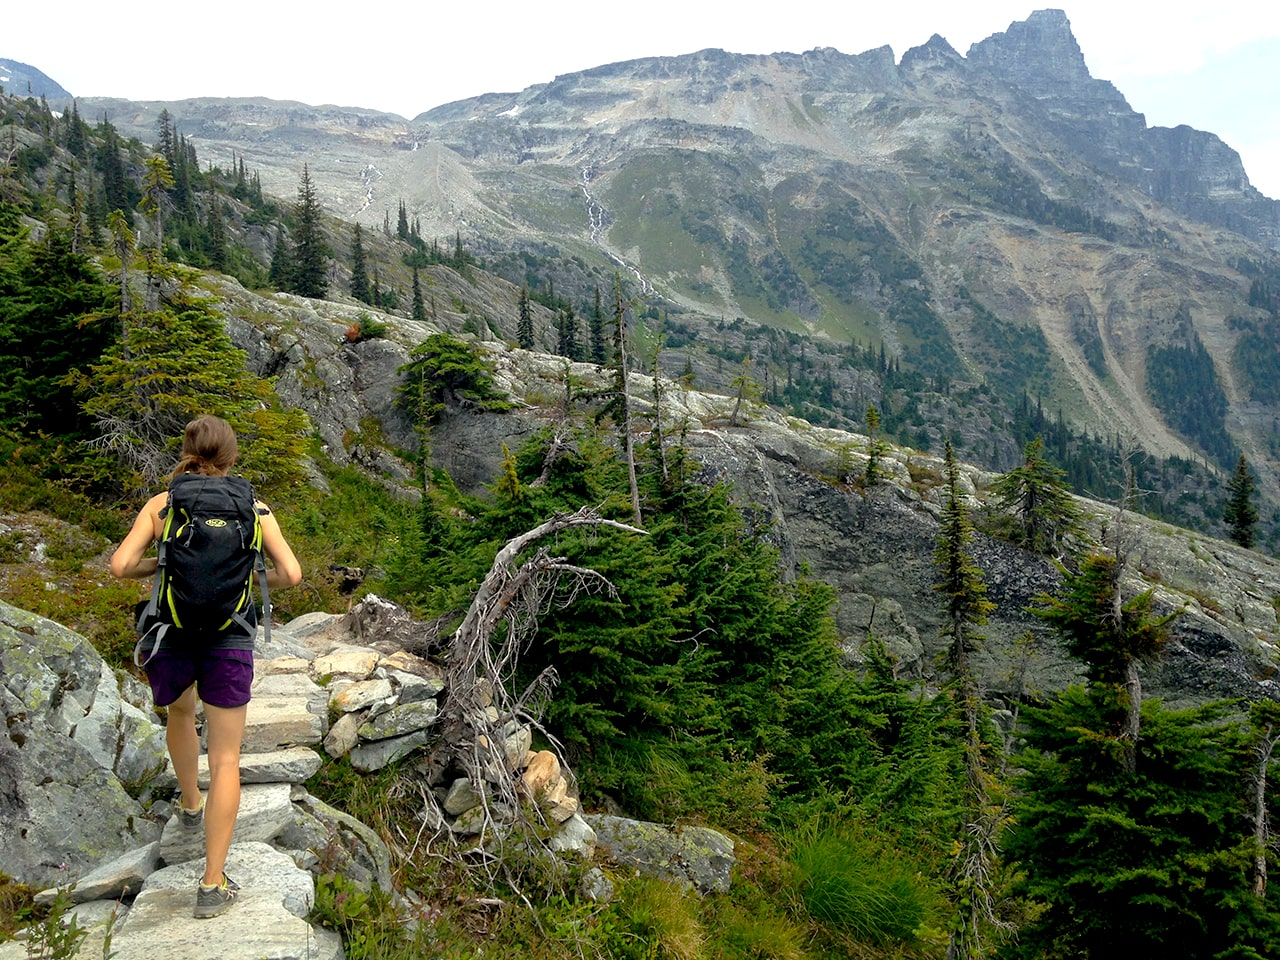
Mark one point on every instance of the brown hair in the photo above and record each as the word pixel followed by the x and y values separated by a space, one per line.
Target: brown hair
pixel 208 447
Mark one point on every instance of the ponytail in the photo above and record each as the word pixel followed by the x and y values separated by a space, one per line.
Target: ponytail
pixel 208 447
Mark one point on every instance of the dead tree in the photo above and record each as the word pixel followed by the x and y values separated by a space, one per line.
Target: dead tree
pixel 482 710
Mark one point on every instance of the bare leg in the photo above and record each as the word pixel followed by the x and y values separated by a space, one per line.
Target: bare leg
pixel 225 726
pixel 184 746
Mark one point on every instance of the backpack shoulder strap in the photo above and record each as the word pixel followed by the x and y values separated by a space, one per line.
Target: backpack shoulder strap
pixel 260 565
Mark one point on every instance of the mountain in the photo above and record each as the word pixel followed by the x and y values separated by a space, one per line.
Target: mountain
pixel 1000 222
pixel 24 80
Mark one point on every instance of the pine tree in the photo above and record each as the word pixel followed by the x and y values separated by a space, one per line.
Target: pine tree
pixel 975 864
pixel 281 272
pixel 567 333
pixel 1040 499
pixel 1119 857
pixel 310 276
pixel 1240 514
pixel 359 275
pixel 419 308
pixel 875 447
pixel 599 345
pixel 217 233
pixel 402 223
pixel 165 142
pixel 524 322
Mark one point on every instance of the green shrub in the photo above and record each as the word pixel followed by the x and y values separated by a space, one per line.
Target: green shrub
pixel 855 885
pixel 661 920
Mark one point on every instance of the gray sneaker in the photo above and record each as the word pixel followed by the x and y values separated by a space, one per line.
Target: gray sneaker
pixel 189 819
pixel 211 901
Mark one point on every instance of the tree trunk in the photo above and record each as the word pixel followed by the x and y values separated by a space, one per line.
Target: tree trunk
pixel 1261 826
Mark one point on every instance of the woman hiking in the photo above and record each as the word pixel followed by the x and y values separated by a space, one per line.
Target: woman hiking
pixel 194 658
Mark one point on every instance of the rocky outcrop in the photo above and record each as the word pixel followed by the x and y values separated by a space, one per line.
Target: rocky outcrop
pixel 65 715
pixel 132 869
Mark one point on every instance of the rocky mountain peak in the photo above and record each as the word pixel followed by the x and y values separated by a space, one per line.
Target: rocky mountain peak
pixel 936 50
pixel 1041 56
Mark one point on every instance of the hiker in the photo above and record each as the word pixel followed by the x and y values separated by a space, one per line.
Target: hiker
pixel 193 659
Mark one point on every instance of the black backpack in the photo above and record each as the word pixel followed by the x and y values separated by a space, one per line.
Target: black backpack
pixel 208 552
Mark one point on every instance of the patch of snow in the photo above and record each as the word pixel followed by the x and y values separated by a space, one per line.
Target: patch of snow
pixel 513 112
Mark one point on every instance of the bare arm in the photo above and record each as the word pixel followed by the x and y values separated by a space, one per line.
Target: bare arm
pixel 285 571
pixel 129 561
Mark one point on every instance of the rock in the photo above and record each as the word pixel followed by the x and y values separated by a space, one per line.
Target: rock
pixel 462 796
pixel 360 695
pixel 264 811
pixel 357 663
pixel 576 837
pixel 343 735
pixel 350 842
pixel 403 661
pixel 414 688
pixel 516 745
pixel 265 923
pixel 563 809
pixel 62 813
pixel 595 886
pixel 118 878
pixel 695 857
pixel 367 757
pixel 276 722
pixel 291 765
pixel 401 719
pixel 311 625
pixel 540 772
pixel 277 665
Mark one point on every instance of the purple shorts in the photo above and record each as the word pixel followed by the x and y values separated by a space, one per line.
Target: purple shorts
pixel 222 677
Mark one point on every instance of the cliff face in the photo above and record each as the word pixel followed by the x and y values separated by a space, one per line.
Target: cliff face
pixel 874 547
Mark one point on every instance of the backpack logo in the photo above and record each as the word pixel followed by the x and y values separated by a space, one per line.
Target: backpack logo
pixel 215 522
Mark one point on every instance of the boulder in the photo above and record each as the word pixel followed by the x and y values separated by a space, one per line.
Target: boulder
pixel 694 857
pixel 63 810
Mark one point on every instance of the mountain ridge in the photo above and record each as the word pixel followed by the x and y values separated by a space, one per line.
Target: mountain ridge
pixel 1002 219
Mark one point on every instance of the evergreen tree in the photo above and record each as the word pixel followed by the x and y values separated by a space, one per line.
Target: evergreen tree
pixel 1240 514
pixel 359 274
pixel 875 447
pixel 567 333
pixel 115 190
pixel 217 233
pixel 524 322
pixel 1120 858
pixel 165 142
pixel 173 365
pixel 419 308
pixel 974 868
pixel 53 306
pixel 1111 636
pixel 402 223
pixel 310 251
pixel 77 134
pixel 1040 499
pixel 599 345
pixel 281 271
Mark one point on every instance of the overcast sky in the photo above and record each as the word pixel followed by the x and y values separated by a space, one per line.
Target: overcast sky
pixel 1213 66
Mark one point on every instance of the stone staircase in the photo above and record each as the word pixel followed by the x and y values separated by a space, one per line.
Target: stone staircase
pixel 143 900
pixel 355 668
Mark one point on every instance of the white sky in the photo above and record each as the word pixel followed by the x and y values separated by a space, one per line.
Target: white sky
pixel 1213 66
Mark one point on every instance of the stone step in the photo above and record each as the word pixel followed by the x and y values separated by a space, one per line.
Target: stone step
pixel 266 923
pixel 290 765
pixel 265 808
